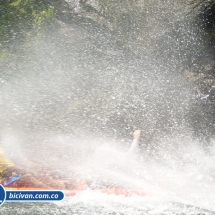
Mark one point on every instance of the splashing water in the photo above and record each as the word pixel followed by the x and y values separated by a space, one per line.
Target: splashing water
pixel 74 96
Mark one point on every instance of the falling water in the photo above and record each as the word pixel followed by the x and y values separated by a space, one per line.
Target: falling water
pixel 73 94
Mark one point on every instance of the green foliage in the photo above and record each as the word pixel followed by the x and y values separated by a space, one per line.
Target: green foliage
pixel 44 16
pixel 19 16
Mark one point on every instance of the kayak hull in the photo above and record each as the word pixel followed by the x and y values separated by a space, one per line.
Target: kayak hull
pixel 82 185
pixel 108 191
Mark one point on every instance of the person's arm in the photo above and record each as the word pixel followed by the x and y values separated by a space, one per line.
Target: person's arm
pixel 135 142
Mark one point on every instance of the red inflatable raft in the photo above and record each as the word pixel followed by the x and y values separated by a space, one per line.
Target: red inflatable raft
pixel 82 185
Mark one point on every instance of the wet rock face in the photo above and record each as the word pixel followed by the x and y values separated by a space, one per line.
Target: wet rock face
pixel 112 68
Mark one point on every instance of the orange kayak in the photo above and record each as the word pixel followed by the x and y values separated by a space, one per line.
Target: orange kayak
pixel 122 191
pixel 66 192
pixel 78 186
pixel 81 186
pixel 72 192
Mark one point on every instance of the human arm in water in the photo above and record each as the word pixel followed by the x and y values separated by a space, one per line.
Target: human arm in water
pixel 135 142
